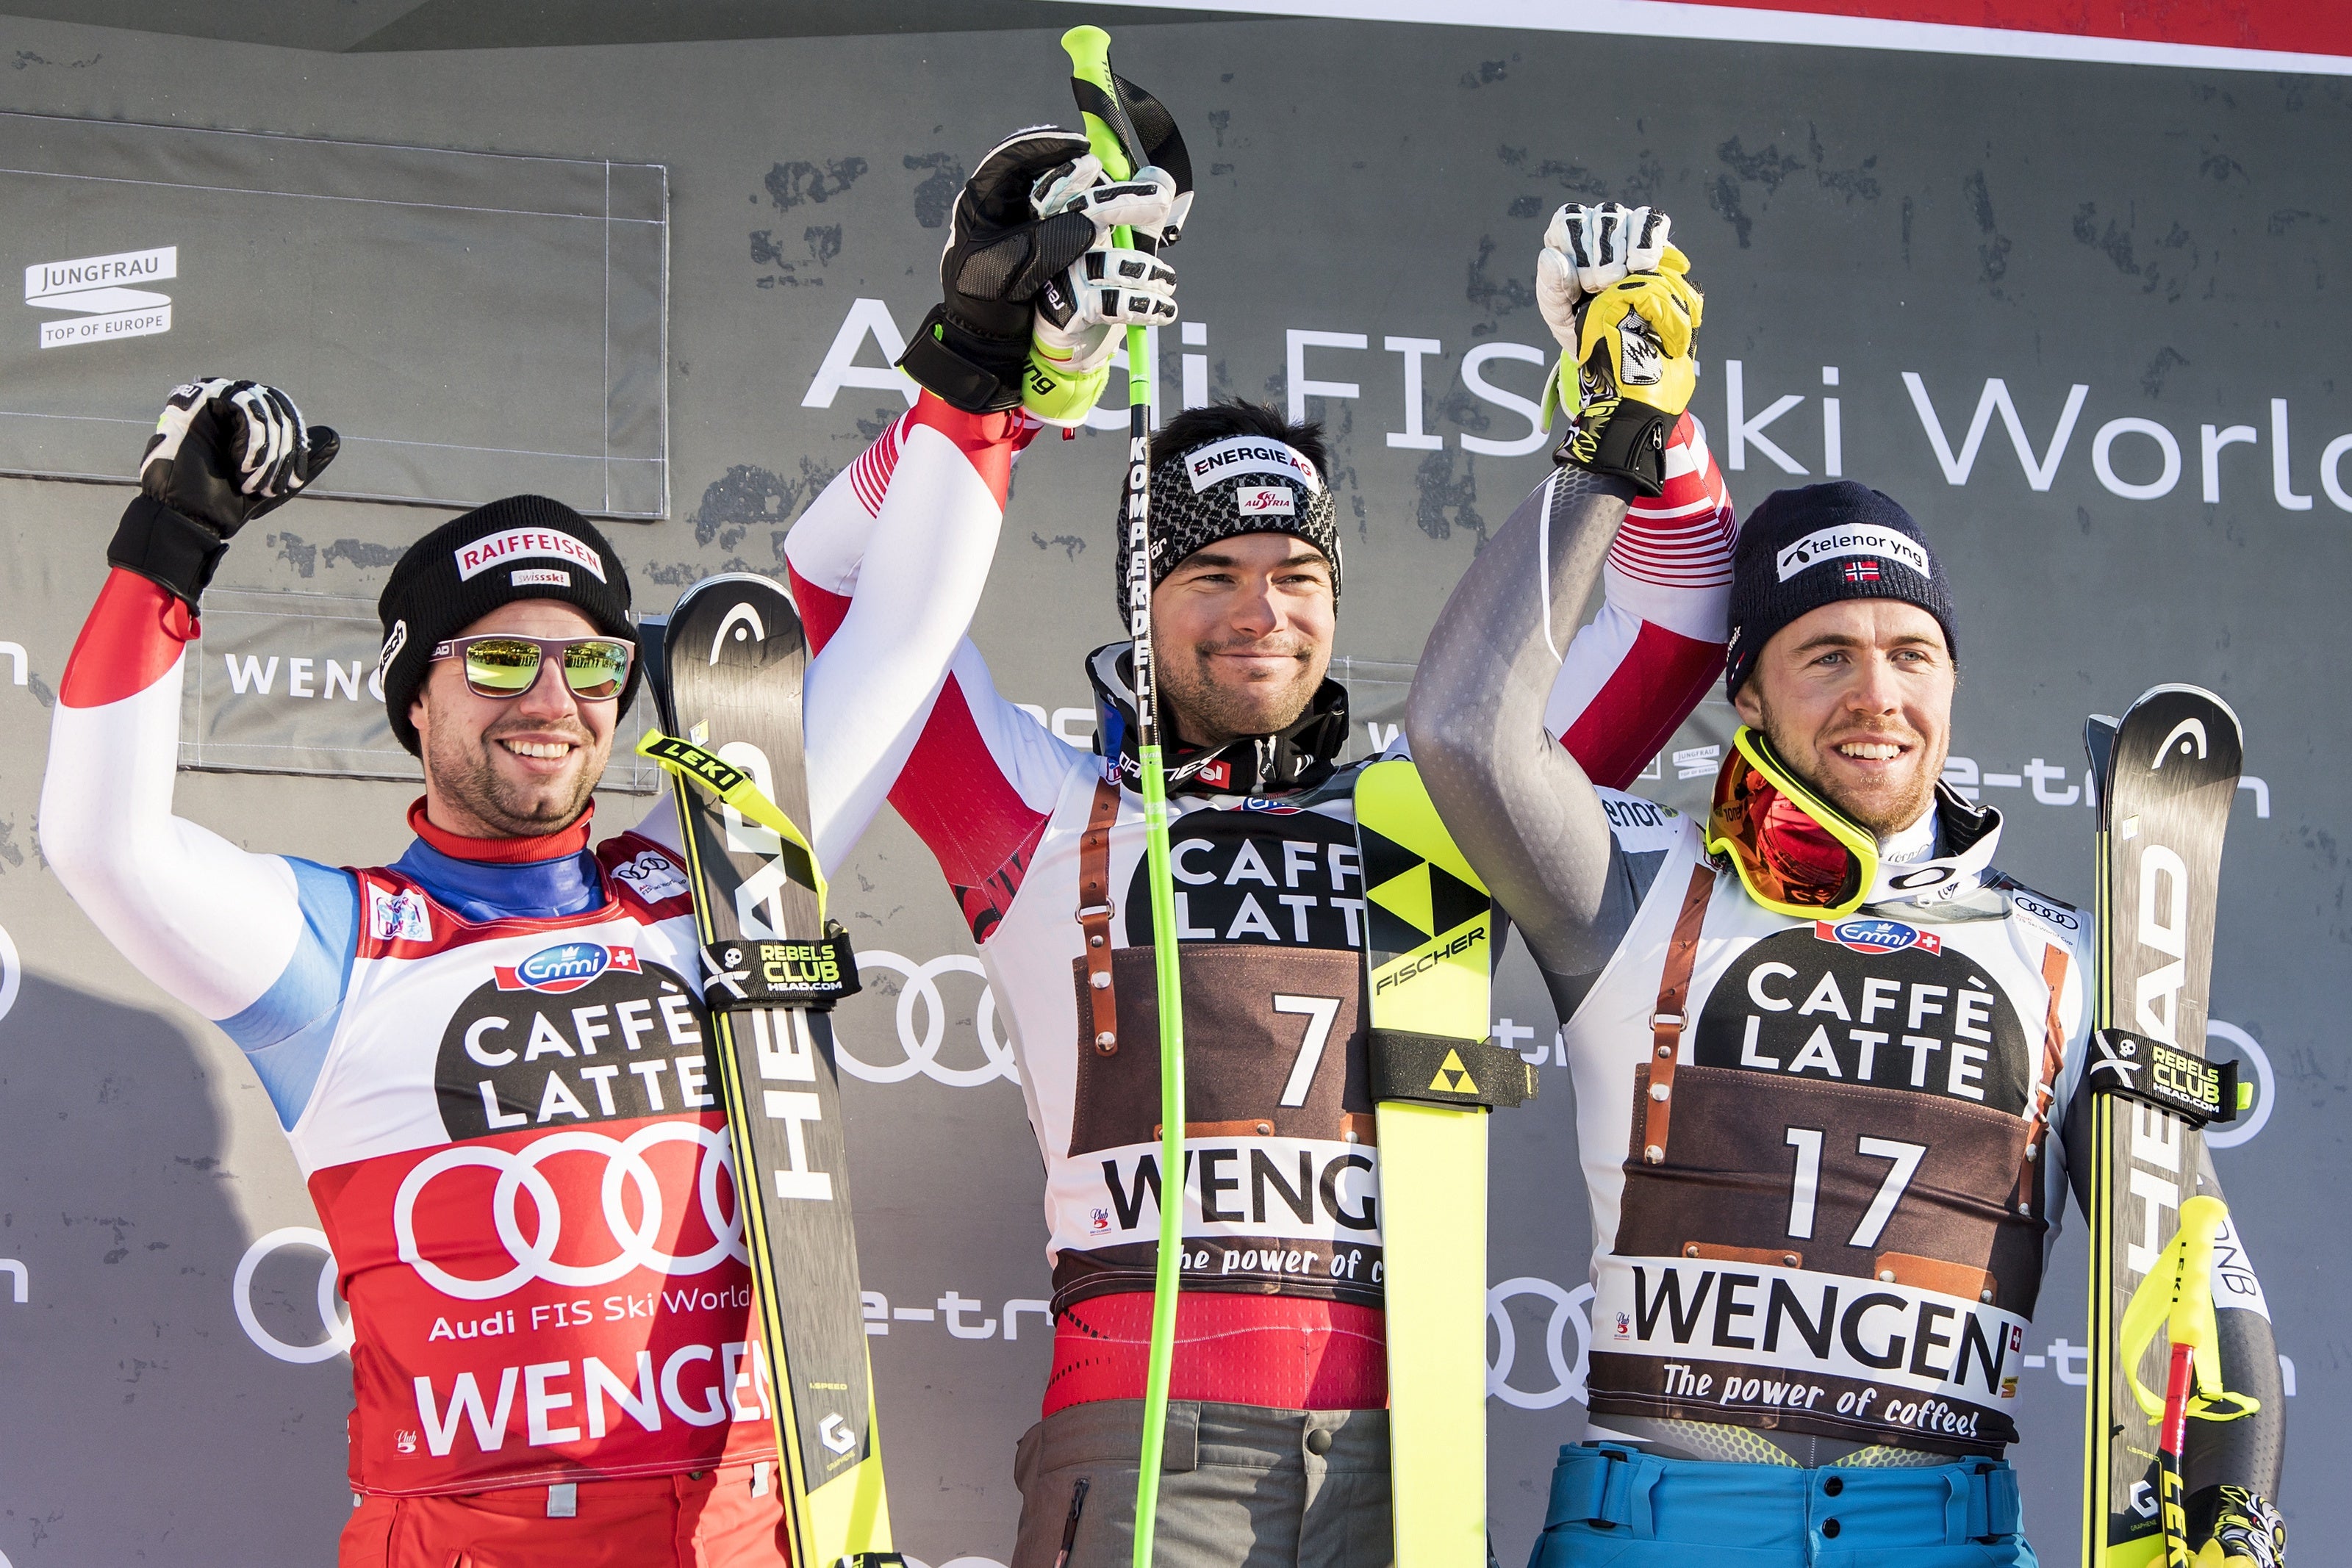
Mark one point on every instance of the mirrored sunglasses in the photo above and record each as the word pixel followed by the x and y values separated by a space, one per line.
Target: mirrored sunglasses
pixel 501 665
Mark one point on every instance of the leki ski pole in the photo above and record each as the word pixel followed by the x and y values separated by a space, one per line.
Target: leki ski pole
pixel 1110 133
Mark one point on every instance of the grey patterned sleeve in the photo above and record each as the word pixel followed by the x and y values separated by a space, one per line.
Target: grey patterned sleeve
pixel 1518 805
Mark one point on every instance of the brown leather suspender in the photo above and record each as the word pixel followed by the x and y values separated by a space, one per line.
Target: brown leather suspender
pixel 1095 910
pixel 1667 1023
pixel 2054 960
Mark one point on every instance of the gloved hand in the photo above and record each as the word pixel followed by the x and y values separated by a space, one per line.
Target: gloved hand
pixel 972 347
pixel 222 454
pixel 2247 1533
pixel 1631 354
pixel 1109 288
pixel 1586 249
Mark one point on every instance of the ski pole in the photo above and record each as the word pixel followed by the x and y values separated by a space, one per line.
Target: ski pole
pixel 1110 133
pixel 2189 1330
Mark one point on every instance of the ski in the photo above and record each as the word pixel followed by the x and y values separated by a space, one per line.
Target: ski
pixel 1429 962
pixel 726 681
pixel 2166 774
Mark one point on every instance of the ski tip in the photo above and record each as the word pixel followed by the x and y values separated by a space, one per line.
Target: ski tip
pixel 2183 687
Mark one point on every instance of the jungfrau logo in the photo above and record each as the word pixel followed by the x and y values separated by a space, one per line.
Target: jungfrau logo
pixel 567 967
pixel 100 290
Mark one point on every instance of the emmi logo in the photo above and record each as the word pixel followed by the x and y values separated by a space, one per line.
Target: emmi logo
pixel 252 674
pixel 99 290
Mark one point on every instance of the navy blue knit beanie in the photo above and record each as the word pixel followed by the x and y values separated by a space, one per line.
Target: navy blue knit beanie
pixel 1803 548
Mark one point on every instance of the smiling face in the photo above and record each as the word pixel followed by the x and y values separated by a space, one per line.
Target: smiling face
pixel 1856 696
pixel 515 767
pixel 1242 632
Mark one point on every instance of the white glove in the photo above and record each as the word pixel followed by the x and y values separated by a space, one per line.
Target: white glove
pixel 1110 285
pixel 1586 249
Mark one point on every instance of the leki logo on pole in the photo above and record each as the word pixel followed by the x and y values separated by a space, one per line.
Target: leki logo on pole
pixel 107 294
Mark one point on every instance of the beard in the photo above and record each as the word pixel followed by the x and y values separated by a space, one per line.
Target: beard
pixel 1885 809
pixel 1206 711
pixel 465 771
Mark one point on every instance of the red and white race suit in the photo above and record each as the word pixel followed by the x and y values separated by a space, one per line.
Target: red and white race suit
pixel 1282 1289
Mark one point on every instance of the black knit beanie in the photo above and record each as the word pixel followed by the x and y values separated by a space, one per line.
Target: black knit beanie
pixel 524 547
pixel 1229 469
pixel 1803 548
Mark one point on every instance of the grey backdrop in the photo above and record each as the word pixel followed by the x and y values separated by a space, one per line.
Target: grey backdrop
pixel 2119 258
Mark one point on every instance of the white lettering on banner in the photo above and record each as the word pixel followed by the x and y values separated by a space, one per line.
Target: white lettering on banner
pixel 2039 472
pixel 841 369
pixel 1473 377
pixel 1294 1190
pixel 1745 431
pixel 701 1385
pixel 1968 781
pixel 922 1049
pixel 1792 1322
pixel 97 288
pixel 479 556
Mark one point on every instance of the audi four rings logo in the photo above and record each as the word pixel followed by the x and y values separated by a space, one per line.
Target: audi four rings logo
pixel 922 1046
pixel 533 1257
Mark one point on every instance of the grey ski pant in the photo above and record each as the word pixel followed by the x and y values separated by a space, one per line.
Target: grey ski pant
pixel 1241 1487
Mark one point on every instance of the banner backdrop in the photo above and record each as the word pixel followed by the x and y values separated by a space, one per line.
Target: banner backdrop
pixel 2085 320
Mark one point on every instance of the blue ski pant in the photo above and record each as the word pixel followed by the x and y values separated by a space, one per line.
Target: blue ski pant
pixel 1617 1507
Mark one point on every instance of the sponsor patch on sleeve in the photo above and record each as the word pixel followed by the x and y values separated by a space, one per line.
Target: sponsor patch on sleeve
pixel 398 916
pixel 1641 826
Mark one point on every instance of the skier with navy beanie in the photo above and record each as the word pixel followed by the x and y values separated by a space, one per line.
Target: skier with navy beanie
pixel 1828 1062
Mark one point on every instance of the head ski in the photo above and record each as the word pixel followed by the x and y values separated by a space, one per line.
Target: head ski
pixel 2165 774
pixel 729 685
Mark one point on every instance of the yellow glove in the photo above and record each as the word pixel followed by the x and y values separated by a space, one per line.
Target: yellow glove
pixel 1634 374
pixel 2247 1533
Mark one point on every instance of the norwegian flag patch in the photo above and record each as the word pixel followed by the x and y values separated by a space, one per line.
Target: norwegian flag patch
pixel 1862 571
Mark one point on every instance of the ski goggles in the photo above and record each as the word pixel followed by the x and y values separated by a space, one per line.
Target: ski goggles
pixel 503 665
pixel 1795 853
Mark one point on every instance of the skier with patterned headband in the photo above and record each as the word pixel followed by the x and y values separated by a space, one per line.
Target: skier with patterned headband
pixel 1278 1436
pixel 506 1011
pixel 1829 1061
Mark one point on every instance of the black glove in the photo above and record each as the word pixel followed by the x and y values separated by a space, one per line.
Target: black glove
pixel 970 350
pixel 222 454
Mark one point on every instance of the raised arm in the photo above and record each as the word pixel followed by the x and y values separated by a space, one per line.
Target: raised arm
pixel 1491 696
pixel 257 943
pixel 1515 800
pixel 888 564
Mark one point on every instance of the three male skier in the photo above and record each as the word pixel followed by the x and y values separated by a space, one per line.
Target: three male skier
pixel 1828 1059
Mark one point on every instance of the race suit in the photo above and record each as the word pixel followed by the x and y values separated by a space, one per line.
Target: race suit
pixel 1042 843
pixel 490 1060
pixel 1826 1158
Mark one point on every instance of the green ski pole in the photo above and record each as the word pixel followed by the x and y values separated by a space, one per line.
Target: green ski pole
pixel 1111 135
